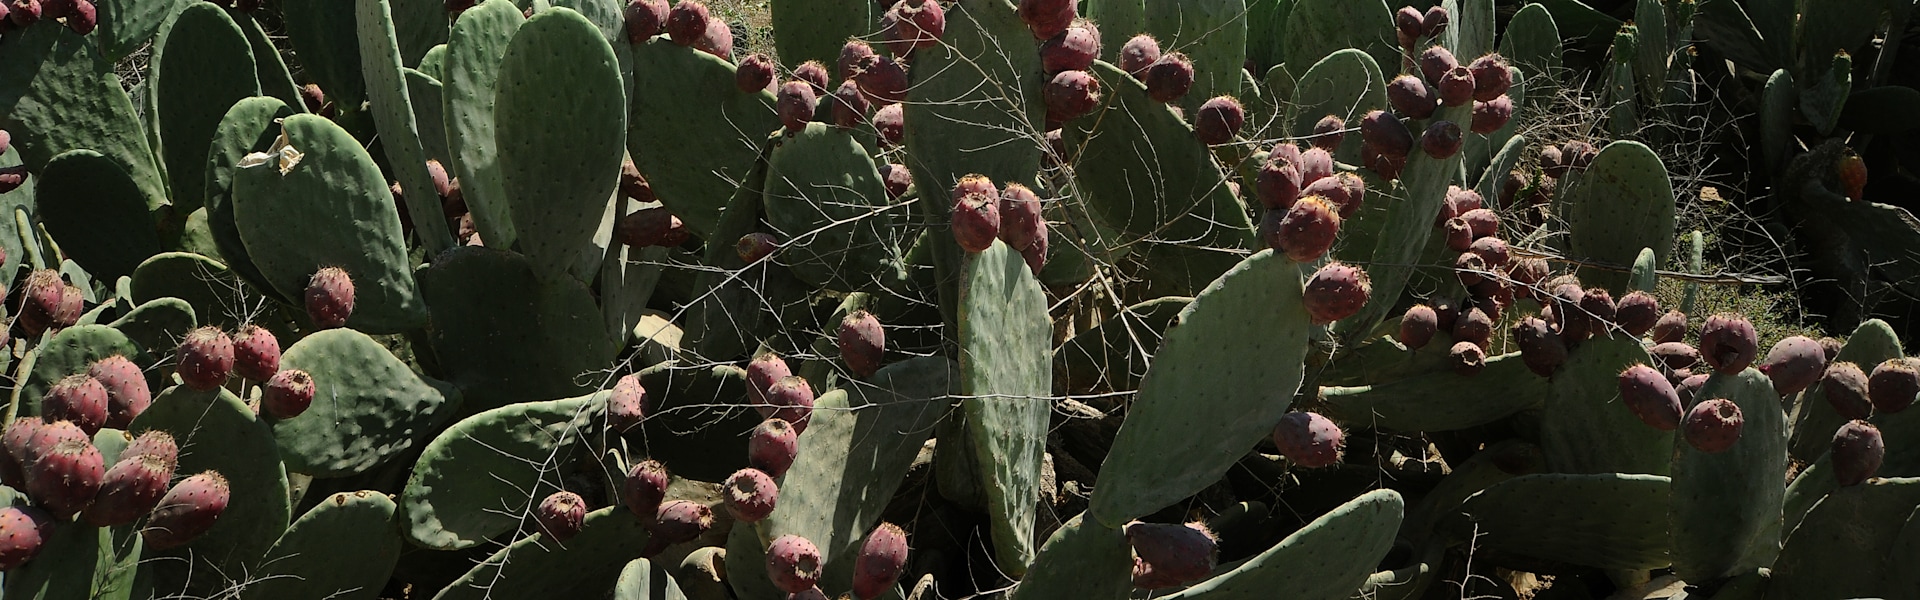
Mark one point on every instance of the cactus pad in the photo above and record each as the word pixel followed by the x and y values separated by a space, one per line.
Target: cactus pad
pixel 352 535
pixel 368 406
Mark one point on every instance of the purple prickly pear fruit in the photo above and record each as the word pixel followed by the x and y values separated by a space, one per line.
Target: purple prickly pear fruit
pixel 1139 53
pixel 645 488
pixel 884 80
pixel 1714 425
pixel 1308 440
pixel 974 184
pixel 1490 77
pixel 1637 313
pixel 1434 22
pixel 1036 253
pixel 687 22
pixel 1459 235
pixel 1020 219
pixel 1305 230
pixel 1843 383
pixel 1470 269
pixel 256 353
pixel 77 398
pixel 1418 326
pixel 205 358
pixel 792 398
pixel 42 439
pixel 316 100
pixel 772 446
pixel 25 13
pixel 890 123
pixel 1344 191
pixel 561 515
pixel 1829 346
pixel 1689 386
pixel 23 530
pixel 1856 452
pixel 73 303
pixel 1071 94
pixel 1728 343
pixel 1269 230
pixel 40 301
pixel 1435 62
pixel 1527 273
pixel 1408 22
pixel 1480 221
pixel 65 477
pixel 851 54
pixel 645 19
pixel 764 371
pixel 1672 327
pixel 1446 310
pixel 1387 166
pixel 1892 385
pixel 1278 184
pixel 1552 162
pixel 84 16
pixel 11 178
pixel 812 593
pixel 850 105
pixel 718 40
pixel 131 488
pixel 626 404
pixel 1491 295
pixel 815 75
pixel 1492 250
pixel 1651 397
pixel 915 24
pixel 1491 115
pixel 755 246
pixel 1675 355
pixel 1411 97
pixel 1218 120
pixel 976 222
pixel 1442 140
pixel 330 298
pixel 1169 78
pixel 1329 132
pixel 1575 324
pixel 679 522
pixel 12 462
pixel 1168 555
pixel 1047 18
pixel 1540 347
pixel 1578 154
pixel 155 443
pixel 1386 135
pixel 1315 165
pixel 793 563
pixel 750 495
pixel 1072 50
pixel 795 103
pixel 652 226
pixel 1598 306
pixel 1467 358
pixel 633 184
pixel 862 343
pixel 755 74
pixel 881 560
pixel 1794 364
pixel 1473 326
pixel 1459 201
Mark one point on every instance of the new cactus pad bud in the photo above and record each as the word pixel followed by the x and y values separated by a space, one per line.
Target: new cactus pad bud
pixel 750 495
pixel 1020 219
pixel 1386 134
pixel 772 446
pixel 755 246
pixel 1315 165
pixel 205 358
pixel 1328 132
pixel 850 106
pixel 881 560
pixel 1071 94
pixel 1336 291
pixel 645 487
pixel 1651 397
pixel 1728 343
pixel 23 531
pixel 1408 23
pixel 1856 452
pixel 1893 384
pixel 762 372
pixel 1418 326
pixel 1435 62
pixel 1474 325
pixel 1047 18
pixel 890 123
pixel 1541 348
pixel 1306 230
pixel 1491 79
pixel 1713 425
pixel 792 398
pixel 1278 183
pixel 976 222
pixel 256 353
pixel 1344 191
pixel 678 522
pixel 916 24
pixel 561 515
pixel 78 398
pixel 793 564
pixel 1411 97
pixel 1442 140
pixel 1672 327
pixel 1675 355
pixel 795 104
pixel 1218 120
pixel 65 477
pixel 862 343
pixel 687 22
pixel 1139 53
pixel 1072 50
pixel 1794 364
pixel 329 298
pixel 1491 115
pixel 1845 387
pixel 1308 440
pixel 1467 358
pixel 755 74
pixel 1169 78
pixel 645 19
pixel 1169 555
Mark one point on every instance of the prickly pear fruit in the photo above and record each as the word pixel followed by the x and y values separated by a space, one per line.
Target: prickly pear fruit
pixel 795 105
pixel 1829 346
pixel 1168 555
pixel 1139 53
pixel 66 476
pixel 645 488
pixel 762 372
pixel 814 75
pixel 1527 273
pixel 750 495
pixel 645 19
pixel 1345 191
pixel 1491 250
pixel 6 139
pixel 883 79
pixel 862 343
pixel 1856 452
pixel 1541 348
pixel 205 358
pixel 1794 364
pixel 1306 230
pixel 13 461
pixel 1218 120
pixel 1386 135
pixel 40 301
pixel 850 106
pixel 755 74
pixel 1675 355
pixel 1316 165
pixel 1490 77
pixel 1435 62
pixel 1468 358
pixel 793 563
pixel 626 404
pixel 23 530
pixel 561 515
pixel 1418 326
pixel 1434 22
pixel 256 353
pixel 1278 184
pixel 895 176
pixel 155 443
pixel 1411 97
pixel 915 24
pixel 1308 439
pixel 1470 269
pixel 11 178
pixel 77 398
pixel 1047 18
pixel 1575 324
pixel 755 246
pixel 1651 397
pixel 1689 386
pixel 687 22
pixel 1459 202
pixel 1845 387
pixel 976 221
pixel 1853 175
pixel 1637 313
pixel 131 488
pixel 1597 304
pixel 1475 326
pixel 73 303
pixel 793 399
pixel 1490 116
pixel 1442 140
pixel 1459 235
pixel 329 298
pixel 1482 222
pixel 1169 78
pixel 633 184
pixel 1728 343
pixel 1714 425
pixel 772 446
pixel 1893 384
pixel 891 125
pixel 1407 23
pixel 679 522
pixel 85 16
pixel 651 226
pixel 1337 291
pixel 1071 94
pixel 1672 327
pixel 1328 132
pixel 851 54
pixel 881 560
pixel 24 13
pixel 1072 50
pixel 1020 219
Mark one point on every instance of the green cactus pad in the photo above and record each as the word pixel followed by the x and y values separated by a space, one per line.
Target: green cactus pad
pixel 201 282
pixel 381 65
pixel 975 102
pixel 71 351
pixel 324 36
pixel 1906 550
pixel 476 479
pixel 1850 531
pixel 1346 84
pixel 1605 520
pixel 1238 349
pixel 694 134
pixel 1083 559
pixel 202 64
pixel 1266 32
pixel 1441 401
pixel 1318 28
pixel 248 127
pixel 504 333
pixel 640 580
pixel 586 566
pixel 1469 31
pixel 1116 352
pixel 60 96
pixel 1326 560
pixel 746 565
pixel 1585 428
pixel 344 548
pixel 96 213
pixel 1727 506
pixel 368 406
pixel 429 107
pixel 1006 375
pixel 216 431
pixel 125 25
pixel 1532 43
pixel 156 327
pixel 82 562
pixel 1872 343
pixel 474 50
pixel 740 304
pixel 825 201
pixel 702 573
pixel 1481 471
pixel 561 69
pixel 1622 203
pixel 331 208
pixel 434 63
pixel 1500 164
pixel 419 26
pixel 1213 33
pixel 815 29
pixel 1645 275
pixel 268 68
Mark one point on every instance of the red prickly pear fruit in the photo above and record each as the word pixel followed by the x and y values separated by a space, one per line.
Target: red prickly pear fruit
pixel 1829 346
pixel 1490 77
pixel 1794 364
pixel 1459 235
pixel 883 79
pixel 1728 343
pixel 23 531
pixel 718 40
pixel 1442 140
pixel 812 593
pixel 1713 425
pixel 205 358
pixel 66 477
pixel 772 446
pixel 1278 184
pixel 1689 386
pixel 1467 358
pixel 1316 165
pixel 1139 53
pixel 1578 154
pixel 851 54
pixel 1418 326
pixel 1459 201
pixel 1071 94
pixel 645 488
pixel 1575 324
pixel 1527 273
pixel 750 495
pixel 1491 115
pixel 1435 62
pixel 1552 162
pixel 1851 169
pixel 1047 18
pixel 1219 119
pixel 40 302
pixel 1329 132
pixel 1308 440
pixel 890 123
pixel 561 515
pixel 1651 397
pixel 1672 327
pixel 1387 166
pixel 1408 23
pixel 1036 253
pixel 1843 383
pixel 850 106
pixel 795 103
pixel 25 13
pixel 73 303
pixel 1434 22
pixel 652 226
pixel 130 489
pixel 687 22
pixel 1492 296
pixel 881 560
pixel 1020 219
pixel 862 343
pixel 645 19
pixel 1345 191
pixel 815 75
pixel 1493 251
pixel 287 394
pixel 1411 97
pixel 626 404
pixel 1072 50
pixel 13 472
pixel 42 439
pixel 762 372
pixel 1169 78
pixel 84 17
pixel 1856 452
pixel 1386 134
pixel 1473 326
pixel 1598 306
pixel 11 178
pixel 1637 313
pixel 916 24
pixel 1480 221
pixel 1675 355
pixel 1892 385
pixel 330 298
pixel 896 177
pixel 792 398
pixel 77 398
pixel 256 353
pixel 633 184
pixel 6 139
pixel 976 221
pixel 1540 346
pixel 1168 555
pixel 679 522
pixel 1306 230
pixel 1470 269
pixel 155 443
pixel 755 74
pixel 793 563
